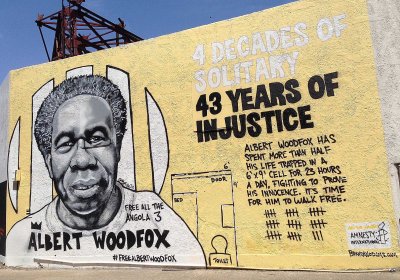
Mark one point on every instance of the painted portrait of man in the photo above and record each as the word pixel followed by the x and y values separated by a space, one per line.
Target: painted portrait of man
pixel 79 130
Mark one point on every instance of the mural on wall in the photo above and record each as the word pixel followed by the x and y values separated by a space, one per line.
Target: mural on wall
pixel 3 217
pixel 79 130
pixel 244 144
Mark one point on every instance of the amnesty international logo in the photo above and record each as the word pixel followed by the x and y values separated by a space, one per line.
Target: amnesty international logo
pixel 373 235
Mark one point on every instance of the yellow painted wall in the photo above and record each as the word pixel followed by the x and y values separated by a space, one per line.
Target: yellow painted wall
pixel 208 183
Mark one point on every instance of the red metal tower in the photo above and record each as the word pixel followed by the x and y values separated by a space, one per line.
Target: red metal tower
pixel 79 30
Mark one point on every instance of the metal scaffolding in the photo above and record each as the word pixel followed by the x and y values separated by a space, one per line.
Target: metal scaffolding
pixel 78 30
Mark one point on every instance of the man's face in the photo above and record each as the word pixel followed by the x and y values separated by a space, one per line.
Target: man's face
pixel 84 154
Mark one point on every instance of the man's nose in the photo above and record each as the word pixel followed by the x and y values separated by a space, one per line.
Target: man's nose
pixel 82 159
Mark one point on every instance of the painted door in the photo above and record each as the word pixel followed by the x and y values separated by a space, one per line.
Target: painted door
pixel 205 201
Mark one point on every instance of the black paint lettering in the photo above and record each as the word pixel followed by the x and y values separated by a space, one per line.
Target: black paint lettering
pixel 262 97
pixel 287 114
pixel 215 99
pixel 278 115
pixel 32 241
pixel 149 238
pixel 294 96
pixel 66 239
pixel 111 241
pixel 319 82
pixel 47 242
pixel 56 237
pixel 305 117
pixel 131 239
pixel 199 131
pixel 330 85
pixel 99 241
pixel 161 238
pixel 268 119
pixel 227 132
pixel 121 240
pixel 247 99
pixel 210 130
pixel 239 132
pixel 276 91
pixel 139 236
pixel 41 245
pixel 77 237
pixel 254 129
pixel 234 97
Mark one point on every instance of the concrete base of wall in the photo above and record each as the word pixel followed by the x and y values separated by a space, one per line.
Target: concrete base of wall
pixel 173 274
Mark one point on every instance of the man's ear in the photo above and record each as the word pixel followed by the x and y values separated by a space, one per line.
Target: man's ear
pixel 48 165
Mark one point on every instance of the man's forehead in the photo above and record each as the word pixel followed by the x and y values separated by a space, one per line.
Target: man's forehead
pixel 82 113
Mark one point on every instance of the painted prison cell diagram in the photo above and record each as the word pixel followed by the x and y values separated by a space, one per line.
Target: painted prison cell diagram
pixel 244 144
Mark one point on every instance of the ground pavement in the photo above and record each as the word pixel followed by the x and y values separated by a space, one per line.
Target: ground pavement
pixel 192 274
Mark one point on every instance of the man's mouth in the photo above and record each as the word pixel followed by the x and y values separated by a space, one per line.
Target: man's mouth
pixel 82 187
pixel 83 191
pixel 85 188
pixel 84 184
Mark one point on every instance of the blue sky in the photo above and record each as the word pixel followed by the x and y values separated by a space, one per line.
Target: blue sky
pixel 20 43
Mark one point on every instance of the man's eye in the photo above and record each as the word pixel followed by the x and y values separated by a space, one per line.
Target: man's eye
pixel 96 140
pixel 66 144
pixel 65 147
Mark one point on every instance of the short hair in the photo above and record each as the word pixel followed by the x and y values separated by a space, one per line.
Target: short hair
pixel 94 85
